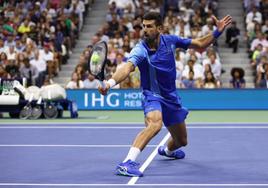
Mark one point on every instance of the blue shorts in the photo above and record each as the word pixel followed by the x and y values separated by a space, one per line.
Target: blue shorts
pixel 171 113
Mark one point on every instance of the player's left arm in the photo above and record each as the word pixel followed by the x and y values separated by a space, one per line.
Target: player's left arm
pixel 205 41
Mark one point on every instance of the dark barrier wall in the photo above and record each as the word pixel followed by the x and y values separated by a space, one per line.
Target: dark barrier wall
pixel 196 99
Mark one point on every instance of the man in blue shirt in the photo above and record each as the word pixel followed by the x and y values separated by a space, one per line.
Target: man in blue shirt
pixel 154 56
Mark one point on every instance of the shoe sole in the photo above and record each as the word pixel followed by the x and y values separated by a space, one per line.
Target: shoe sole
pixel 170 156
pixel 124 173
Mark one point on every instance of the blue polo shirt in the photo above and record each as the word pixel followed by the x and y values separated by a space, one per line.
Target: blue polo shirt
pixel 157 68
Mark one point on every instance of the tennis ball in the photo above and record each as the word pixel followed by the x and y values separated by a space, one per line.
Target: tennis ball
pixel 95 58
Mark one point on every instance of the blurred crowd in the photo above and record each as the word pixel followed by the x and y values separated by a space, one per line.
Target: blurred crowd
pixel 37 37
pixel 256 20
pixel 123 29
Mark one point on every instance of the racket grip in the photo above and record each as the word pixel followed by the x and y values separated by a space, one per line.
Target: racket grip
pixel 102 84
pixel 31 97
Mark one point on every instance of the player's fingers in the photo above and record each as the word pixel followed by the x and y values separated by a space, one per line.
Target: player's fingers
pixel 214 19
pixel 103 90
pixel 227 18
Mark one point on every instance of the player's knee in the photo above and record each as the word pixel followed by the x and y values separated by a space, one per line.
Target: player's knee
pixel 155 127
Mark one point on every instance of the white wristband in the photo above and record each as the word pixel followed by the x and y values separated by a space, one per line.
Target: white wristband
pixel 111 82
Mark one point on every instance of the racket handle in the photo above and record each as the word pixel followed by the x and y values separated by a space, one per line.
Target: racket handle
pixel 102 84
pixel 39 100
pixel 31 97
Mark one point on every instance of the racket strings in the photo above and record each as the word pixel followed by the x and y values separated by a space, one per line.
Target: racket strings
pixel 97 59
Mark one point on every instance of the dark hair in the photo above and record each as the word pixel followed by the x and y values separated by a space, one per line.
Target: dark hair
pixel 154 16
pixel 238 69
pixel 212 79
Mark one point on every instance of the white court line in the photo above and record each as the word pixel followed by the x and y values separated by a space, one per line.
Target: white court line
pixel 133 180
pixel 133 127
pixel 136 185
pixel 70 145
pixel 71 127
pixel 126 123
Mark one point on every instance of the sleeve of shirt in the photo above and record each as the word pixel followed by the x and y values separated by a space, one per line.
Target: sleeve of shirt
pixel 181 42
pixel 136 55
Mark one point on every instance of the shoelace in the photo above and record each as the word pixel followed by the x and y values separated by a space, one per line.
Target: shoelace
pixel 134 164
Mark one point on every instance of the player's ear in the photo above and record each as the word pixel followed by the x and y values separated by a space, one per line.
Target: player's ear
pixel 160 28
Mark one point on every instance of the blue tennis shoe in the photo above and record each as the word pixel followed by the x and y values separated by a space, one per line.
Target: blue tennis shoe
pixel 177 154
pixel 129 168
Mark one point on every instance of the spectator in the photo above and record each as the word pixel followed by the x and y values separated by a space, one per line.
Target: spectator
pixel 2 46
pixel 232 36
pixel 209 27
pixel 237 80
pixel 215 65
pixel 190 81
pixel 80 71
pixel 24 27
pixel 171 5
pixel 3 72
pixel 256 55
pixel 259 40
pixel 18 46
pixel 91 82
pixel 262 77
pixel 11 53
pixel 264 27
pixel 20 59
pixel 195 67
pixel 41 67
pixel 209 82
pixel 113 24
pixel 75 82
pixel 3 59
pixel 253 15
pixel 28 71
pixel 46 55
pixel 9 40
pixel 12 69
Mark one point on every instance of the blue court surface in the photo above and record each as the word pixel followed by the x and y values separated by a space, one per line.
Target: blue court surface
pixel 85 155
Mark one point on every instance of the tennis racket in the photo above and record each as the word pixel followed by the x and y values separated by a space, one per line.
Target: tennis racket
pixel 97 61
pixel 37 109
pixel 26 111
pixel 50 110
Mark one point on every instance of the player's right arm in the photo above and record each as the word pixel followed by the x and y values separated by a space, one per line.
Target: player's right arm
pixel 122 73
pixel 136 56
pixel 119 75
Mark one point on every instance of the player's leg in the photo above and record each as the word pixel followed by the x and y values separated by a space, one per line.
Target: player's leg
pixel 174 120
pixel 178 139
pixel 153 122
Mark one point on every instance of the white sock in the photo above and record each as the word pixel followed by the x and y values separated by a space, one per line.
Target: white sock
pixel 168 152
pixel 132 154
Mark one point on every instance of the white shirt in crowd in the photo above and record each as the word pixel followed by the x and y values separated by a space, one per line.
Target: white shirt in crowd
pixel 46 56
pixel 215 67
pixel 198 71
pixel 39 63
pixel 73 85
pixel 91 84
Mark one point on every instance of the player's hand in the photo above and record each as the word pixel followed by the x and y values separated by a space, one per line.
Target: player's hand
pixel 223 23
pixel 104 90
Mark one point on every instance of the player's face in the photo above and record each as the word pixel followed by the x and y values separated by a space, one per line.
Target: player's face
pixel 151 31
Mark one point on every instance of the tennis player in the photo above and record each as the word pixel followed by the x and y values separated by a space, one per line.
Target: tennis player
pixel 154 56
